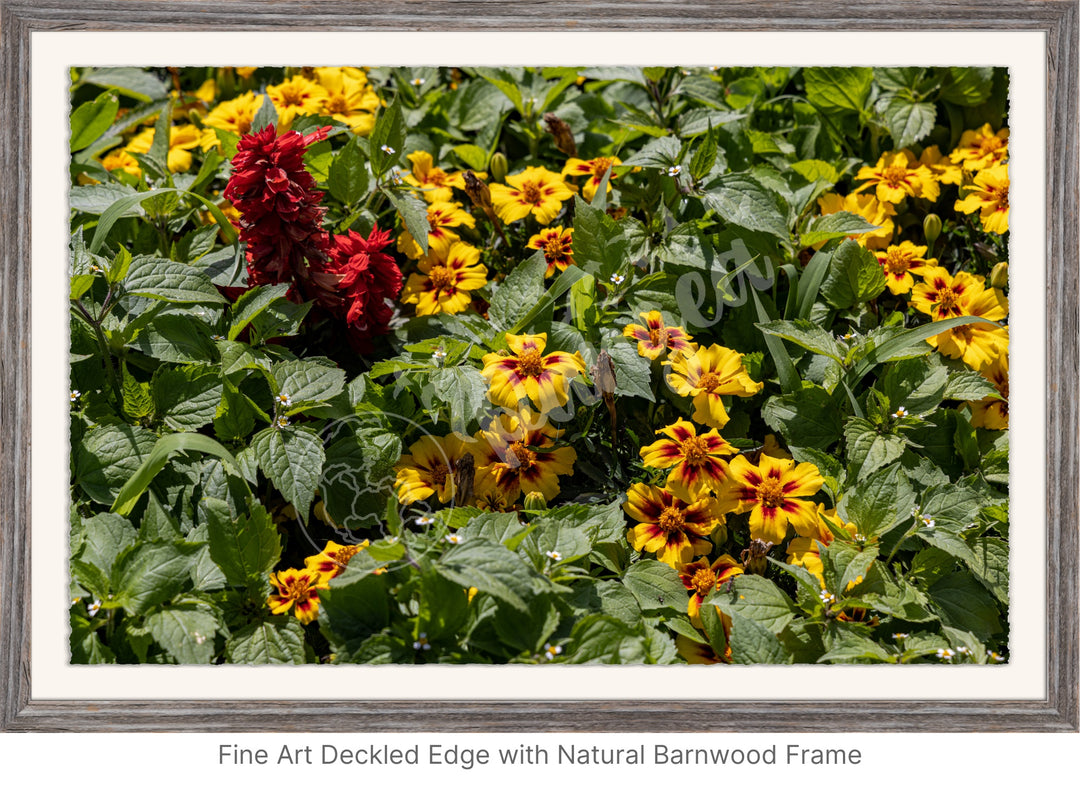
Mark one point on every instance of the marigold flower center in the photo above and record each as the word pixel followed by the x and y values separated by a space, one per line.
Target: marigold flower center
pixel 947 300
pixel 658 337
pixel 897 262
pixel 554 248
pixel 336 105
pixel 600 166
pixel 895 176
pixel 293 95
pixel 531 363
pixel 990 145
pixel 671 519
pixel 530 193
pixel 442 278
pixel 520 456
pixel 708 381
pixel 298 588
pixel 704 581
pixel 695 450
pixel 770 492
pixel 1003 199
pixel 438 474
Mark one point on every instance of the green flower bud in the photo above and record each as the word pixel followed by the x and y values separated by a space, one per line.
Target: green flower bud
pixel 499 167
pixel 931 227
pixel 999 276
pixel 534 501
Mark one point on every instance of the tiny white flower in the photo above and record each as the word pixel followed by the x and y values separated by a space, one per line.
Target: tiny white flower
pixel 391 539
pixel 199 638
pixel 970 525
pixel 928 523
pixel 553 555
pixel 827 597
pixel 284 399
pixel 282 421
pixel 217 337
pixel 439 355
pixel 847 337
pixel 75 395
pixel 860 538
pixel 395 175
pixel 422 642
pixel 454 538
pixel 994 656
pixel 685 72
pixel 964 649
pixel 424 520
pixel 945 654
pixel 915 511
pixel 617 279
pixel 417 82
pixel 900 412
pixel 674 170
pixel 714 68
pixel 551 651
pixel 95 269
pixel 900 635
pixel 93 607
pixel 387 150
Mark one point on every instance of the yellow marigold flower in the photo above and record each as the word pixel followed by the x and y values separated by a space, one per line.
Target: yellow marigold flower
pixel 700 652
pixel 246 72
pixel 296 96
pixel 978 344
pixel 695 462
pixel 654 338
pixel 676 530
pixel 596 169
pixel 446 279
pixel 334 558
pixel 981 148
pixel 429 469
pixel 207 91
pixel 870 208
pixel 805 550
pixel 235 115
pixel 707 374
pixel 992 413
pixel 299 587
pixel 511 458
pixel 702 578
pixel 772 448
pixel 941 295
pixel 181 141
pixel 536 190
pixel 941 166
pixel 897 175
pixel 121 159
pixel 899 262
pixel 437 184
pixel 558 246
pixel 990 196
pixel 441 216
pixel 348 100
pixel 773 493
pixel 529 374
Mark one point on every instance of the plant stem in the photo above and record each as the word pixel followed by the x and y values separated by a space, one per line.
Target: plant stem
pixel 103 348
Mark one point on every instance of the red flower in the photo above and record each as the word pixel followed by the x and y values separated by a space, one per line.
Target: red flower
pixel 280 217
pixel 366 277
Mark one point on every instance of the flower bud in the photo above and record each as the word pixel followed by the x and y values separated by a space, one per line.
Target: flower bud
pixel 604 374
pixel 753 557
pixel 999 276
pixel 478 191
pixel 499 167
pixel 931 227
pixel 534 501
pixel 564 137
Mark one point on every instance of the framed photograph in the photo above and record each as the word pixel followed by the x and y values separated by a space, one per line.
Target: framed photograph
pixel 539 372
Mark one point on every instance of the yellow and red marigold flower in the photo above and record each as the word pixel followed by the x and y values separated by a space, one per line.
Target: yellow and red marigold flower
pixel 654 338
pixel 536 190
pixel 695 462
pixel 773 492
pixel 989 195
pixel 334 558
pixel 235 116
pixel 529 374
pixel 868 207
pixel 429 469
pixel 899 262
pixel 441 217
pixel 702 578
pixel 596 169
pixel 558 247
pixel 694 652
pixel 897 175
pixel 977 344
pixel 981 148
pixel 511 458
pixel 296 96
pixel 182 139
pixel 446 280
pixel 707 374
pixel 349 99
pixel 437 185
pixel 297 589
pixel 805 550
pixel 990 413
pixel 677 530
pixel 942 295
pixel 941 166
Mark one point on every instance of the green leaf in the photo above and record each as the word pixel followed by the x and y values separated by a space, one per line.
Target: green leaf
pixel 413 212
pixel 968 386
pixel 105 458
pixel 279 640
pixel 869 450
pixel 358 477
pixel 246 547
pixel 351 611
pixel 756 598
pixel 848 646
pixel 991 566
pixel 186 398
pixel 785 369
pixel 656 154
pixel 251 304
pixel 492 569
pixel 854 276
pixel 967 86
pixel 86 647
pixel 963 603
pixel 156 459
pixel 388 135
pixel 600 247
pixel 138 401
pixel 805 334
pixel 292 458
pixel 305 381
pixel 655 585
pixel 601 639
pixel 92 119
pixel 506 83
pixel 116 210
pixel 878 504
pixel 348 180
pixel 176 338
pixel 704 157
pixel 907 121
pixel 834 225
pixel 753 643
pixel 741 200
pixel 518 293
pixel 137 83
pixel 563 282
pixel 633 373
pixel 838 89
pixel 185 632
pixel 104 537
pixel 916 383
pixel 464 390
pixel 149 574
pixel 806 418
pixel 96 199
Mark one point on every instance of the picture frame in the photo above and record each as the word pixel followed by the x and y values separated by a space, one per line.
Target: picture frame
pixel 1057 711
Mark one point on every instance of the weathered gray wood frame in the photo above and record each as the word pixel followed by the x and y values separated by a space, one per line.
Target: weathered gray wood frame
pixel 1056 18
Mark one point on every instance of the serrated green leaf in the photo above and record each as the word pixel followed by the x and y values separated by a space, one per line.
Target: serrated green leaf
pixel 805 334
pixel 413 212
pixel 806 418
pixel 518 293
pixel 741 200
pixel 306 381
pixel 149 574
pixel 854 276
pixel 753 643
pixel 185 632
pixel 491 568
pixel 92 119
pixel 107 456
pixel 655 585
pixel 838 89
pixel 104 537
pixel 464 390
pixel 244 547
pixel 908 121
pixel 292 458
pixel 348 179
pixel 186 398
pixel 279 640
pixel 834 225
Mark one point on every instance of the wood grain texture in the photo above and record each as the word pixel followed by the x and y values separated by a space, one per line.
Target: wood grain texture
pixel 1059 711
